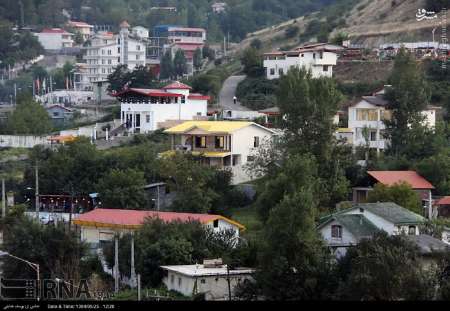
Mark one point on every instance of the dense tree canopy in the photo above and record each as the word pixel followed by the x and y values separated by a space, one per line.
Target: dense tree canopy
pixel 29 118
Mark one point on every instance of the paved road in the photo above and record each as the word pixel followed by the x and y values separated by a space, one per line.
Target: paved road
pixel 227 93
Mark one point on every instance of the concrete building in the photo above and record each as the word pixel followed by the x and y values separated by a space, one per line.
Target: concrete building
pixel 83 28
pixel 210 280
pixel 366 120
pixel 318 58
pixel 100 225
pixel 55 39
pixel 143 110
pixel 60 115
pixel 227 145
pixel 106 51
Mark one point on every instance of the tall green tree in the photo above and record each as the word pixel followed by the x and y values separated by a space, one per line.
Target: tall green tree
pixel 198 58
pixel 407 97
pixel 180 63
pixel 384 268
pixel 167 67
pixel 252 62
pixel 123 189
pixel 29 118
pixel 294 263
pixel 401 194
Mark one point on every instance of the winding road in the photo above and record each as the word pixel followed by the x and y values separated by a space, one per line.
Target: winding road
pixel 227 93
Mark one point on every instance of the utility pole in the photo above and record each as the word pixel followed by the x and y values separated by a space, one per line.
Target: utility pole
pixel 15 94
pixel 133 271
pixel 224 46
pixel 228 280
pixel 37 190
pixel 139 286
pixel 116 264
pixel 3 199
pixel 22 15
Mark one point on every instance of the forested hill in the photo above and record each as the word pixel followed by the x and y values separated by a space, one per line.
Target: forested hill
pixel 241 17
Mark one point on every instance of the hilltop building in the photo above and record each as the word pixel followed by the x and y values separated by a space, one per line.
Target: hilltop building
pixel 55 39
pixel 318 58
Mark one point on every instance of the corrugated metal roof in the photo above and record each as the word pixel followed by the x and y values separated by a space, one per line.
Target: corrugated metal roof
pixel 133 219
pixel 390 178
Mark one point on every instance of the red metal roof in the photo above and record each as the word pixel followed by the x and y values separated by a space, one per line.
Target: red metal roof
pixel 177 86
pixel 390 178
pixel 148 92
pixel 134 218
pixel 199 97
pixel 444 201
pixel 55 30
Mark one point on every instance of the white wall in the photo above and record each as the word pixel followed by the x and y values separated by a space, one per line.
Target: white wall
pixel 316 65
pixel 242 140
pixel 347 237
pixel 214 287
pixel 54 41
pixel 22 141
pixel 164 112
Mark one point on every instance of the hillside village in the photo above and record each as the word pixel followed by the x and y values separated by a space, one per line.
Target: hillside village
pixel 172 161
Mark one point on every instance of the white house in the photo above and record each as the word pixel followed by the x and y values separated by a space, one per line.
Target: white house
pixel 144 110
pixel 106 51
pixel 347 227
pixel 140 32
pixel 83 28
pixel 55 39
pixel 222 144
pixel 210 280
pixel 366 120
pixel 219 7
pixel 318 58
pixel 100 225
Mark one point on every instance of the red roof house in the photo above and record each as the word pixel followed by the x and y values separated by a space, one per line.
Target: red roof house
pixel 133 219
pixel 390 178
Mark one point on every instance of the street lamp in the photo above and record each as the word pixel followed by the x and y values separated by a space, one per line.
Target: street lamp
pixel 35 266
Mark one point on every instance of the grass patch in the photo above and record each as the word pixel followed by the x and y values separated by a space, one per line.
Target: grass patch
pixel 248 216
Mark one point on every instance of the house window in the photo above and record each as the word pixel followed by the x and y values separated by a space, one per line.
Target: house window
pixel 219 142
pixel 137 57
pixel 373 135
pixel 336 232
pixel 55 114
pixel 103 52
pixel 200 141
pixel 118 50
pixel 216 223
pixel 280 71
pixel 256 142
pixel 138 47
pixel 325 68
pixel 272 71
pixel 109 62
pixel 147 118
pixel 314 55
pixel 183 99
pixel 412 230
pixel 366 115
pixel 203 281
pixel 179 282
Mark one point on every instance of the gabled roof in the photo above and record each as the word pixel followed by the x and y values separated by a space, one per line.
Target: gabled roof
pixel 377 100
pixel 428 244
pixel 358 225
pixel 59 106
pixel 133 219
pixel 390 178
pixel 444 201
pixel 177 86
pixel 80 24
pixel 391 212
pixel 212 126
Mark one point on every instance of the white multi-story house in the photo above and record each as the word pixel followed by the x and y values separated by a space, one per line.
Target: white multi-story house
pixel 222 144
pixel 83 28
pixel 219 7
pixel 106 51
pixel 144 110
pixel 55 39
pixel 318 58
pixel 366 121
pixel 186 35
